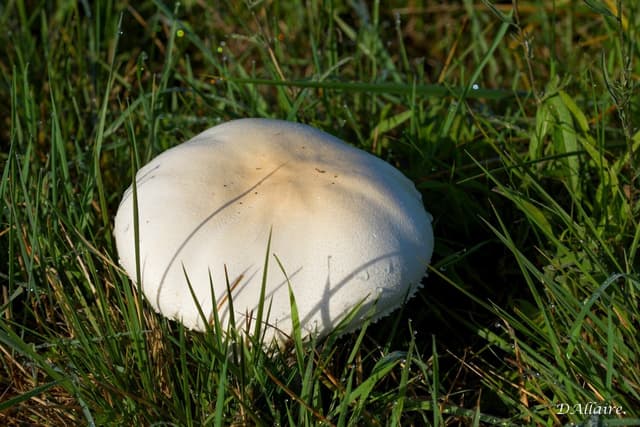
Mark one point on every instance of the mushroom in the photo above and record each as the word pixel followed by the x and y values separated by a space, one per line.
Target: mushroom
pixel 349 230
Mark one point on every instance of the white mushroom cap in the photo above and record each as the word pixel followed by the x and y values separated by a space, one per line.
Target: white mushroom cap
pixel 347 227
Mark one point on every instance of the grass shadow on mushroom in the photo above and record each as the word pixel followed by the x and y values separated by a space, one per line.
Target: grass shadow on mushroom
pixel 195 231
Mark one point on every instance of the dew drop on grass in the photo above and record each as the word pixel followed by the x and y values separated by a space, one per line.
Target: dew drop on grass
pixel 475 86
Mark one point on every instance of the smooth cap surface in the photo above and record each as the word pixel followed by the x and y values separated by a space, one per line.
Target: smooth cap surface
pixel 347 227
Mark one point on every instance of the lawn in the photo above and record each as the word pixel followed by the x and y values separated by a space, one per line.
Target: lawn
pixel 517 122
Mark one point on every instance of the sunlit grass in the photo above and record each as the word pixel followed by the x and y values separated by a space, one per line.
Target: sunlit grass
pixel 518 126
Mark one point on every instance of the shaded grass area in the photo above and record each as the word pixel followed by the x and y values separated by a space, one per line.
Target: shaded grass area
pixel 517 125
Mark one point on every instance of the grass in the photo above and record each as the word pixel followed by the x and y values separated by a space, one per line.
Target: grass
pixel 518 125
